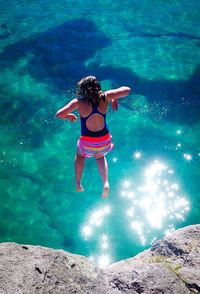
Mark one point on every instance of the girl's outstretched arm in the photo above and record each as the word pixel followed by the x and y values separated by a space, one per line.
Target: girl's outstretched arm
pixel 117 93
pixel 65 112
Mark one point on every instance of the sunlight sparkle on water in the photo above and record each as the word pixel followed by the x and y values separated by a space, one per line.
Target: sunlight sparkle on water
pixel 152 204
pixel 137 155
pixel 91 258
pixel 171 171
pixel 178 146
pixel 126 184
pixel 92 230
pixel 103 261
pixel 104 242
pixel 87 231
pixel 155 169
pixel 104 245
pixel 104 238
pixel 157 202
pixel 130 194
pixel 123 193
pixel 169 231
pixel 130 212
pixel 95 219
pixel 187 156
pixel 179 132
pixel 138 227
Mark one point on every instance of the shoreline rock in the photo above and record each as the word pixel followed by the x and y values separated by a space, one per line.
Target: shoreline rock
pixel 170 266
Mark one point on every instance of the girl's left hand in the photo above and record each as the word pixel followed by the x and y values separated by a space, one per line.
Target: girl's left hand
pixel 71 117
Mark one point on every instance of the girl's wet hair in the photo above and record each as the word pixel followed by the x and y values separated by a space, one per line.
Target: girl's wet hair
pixel 89 90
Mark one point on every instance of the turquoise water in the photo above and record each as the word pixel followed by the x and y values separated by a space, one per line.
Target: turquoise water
pixel 154 169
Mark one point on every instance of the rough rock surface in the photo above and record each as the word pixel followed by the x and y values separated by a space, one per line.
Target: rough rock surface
pixel 171 266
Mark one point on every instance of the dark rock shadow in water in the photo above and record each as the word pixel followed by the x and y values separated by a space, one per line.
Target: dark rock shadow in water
pixel 58 54
pixel 26 123
pixel 179 96
pixel 57 57
pixel 5 31
pixel 157 32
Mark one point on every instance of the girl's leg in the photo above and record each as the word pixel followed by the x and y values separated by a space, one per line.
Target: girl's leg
pixel 103 170
pixel 79 165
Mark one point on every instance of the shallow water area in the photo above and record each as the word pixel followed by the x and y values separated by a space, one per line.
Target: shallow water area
pixel 154 169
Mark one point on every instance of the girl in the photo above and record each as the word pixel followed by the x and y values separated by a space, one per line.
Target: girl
pixel 95 139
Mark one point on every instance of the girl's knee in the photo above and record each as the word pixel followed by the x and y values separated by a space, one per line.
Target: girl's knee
pixel 99 157
pixel 79 156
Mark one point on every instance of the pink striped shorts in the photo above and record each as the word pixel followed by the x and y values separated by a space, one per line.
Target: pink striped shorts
pixel 94 146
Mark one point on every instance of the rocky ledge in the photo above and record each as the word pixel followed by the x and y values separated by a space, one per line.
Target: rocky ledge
pixel 172 265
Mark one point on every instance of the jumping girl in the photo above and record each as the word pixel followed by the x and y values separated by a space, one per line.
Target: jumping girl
pixel 95 139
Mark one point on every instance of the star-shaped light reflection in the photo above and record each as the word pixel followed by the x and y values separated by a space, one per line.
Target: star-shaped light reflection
pixel 179 132
pixel 114 159
pixel 137 155
pixel 187 156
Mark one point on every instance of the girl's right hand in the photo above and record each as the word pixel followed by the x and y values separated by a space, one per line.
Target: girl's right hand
pixel 71 117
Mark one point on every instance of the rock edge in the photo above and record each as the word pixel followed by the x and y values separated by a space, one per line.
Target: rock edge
pixel 170 266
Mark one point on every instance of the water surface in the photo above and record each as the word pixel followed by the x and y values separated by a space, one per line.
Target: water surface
pixel 151 46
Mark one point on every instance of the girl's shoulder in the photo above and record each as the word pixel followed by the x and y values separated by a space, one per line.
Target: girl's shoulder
pixel 82 104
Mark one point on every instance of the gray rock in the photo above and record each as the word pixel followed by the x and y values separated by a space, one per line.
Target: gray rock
pixel 29 269
pixel 171 266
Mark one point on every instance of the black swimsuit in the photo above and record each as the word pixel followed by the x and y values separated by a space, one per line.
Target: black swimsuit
pixel 86 132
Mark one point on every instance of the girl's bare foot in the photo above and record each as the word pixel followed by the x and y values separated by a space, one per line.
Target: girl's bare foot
pixel 105 192
pixel 79 188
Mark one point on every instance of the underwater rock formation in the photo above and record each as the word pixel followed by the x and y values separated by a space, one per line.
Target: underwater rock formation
pixel 171 265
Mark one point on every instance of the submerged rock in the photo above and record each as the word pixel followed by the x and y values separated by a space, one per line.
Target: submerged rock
pixel 172 265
